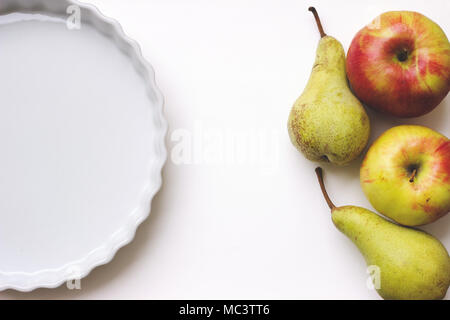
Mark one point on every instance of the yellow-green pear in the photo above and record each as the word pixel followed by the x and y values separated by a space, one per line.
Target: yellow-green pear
pixel 327 122
pixel 412 264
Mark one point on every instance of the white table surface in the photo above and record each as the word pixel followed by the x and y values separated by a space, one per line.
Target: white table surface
pixel 243 220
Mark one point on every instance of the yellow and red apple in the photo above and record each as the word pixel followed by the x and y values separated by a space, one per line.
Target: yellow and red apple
pixel 406 175
pixel 400 64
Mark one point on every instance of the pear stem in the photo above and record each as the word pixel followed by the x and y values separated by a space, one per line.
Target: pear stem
pixel 319 174
pixel 319 24
pixel 413 175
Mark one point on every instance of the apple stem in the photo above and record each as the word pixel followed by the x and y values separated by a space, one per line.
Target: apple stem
pixel 413 175
pixel 402 55
pixel 319 174
pixel 319 24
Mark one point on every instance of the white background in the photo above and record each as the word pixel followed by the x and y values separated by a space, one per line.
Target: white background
pixel 256 227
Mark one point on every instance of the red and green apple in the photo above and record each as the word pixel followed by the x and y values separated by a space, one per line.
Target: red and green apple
pixel 400 64
pixel 406 175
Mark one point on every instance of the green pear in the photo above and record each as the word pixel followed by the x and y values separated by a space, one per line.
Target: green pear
pixel 412 264
pixel 327 122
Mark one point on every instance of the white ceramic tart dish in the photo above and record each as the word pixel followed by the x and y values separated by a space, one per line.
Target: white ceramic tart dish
pixel 81 139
